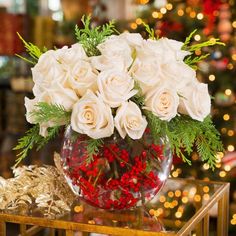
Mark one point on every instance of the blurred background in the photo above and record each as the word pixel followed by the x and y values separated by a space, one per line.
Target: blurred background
pixel 51 23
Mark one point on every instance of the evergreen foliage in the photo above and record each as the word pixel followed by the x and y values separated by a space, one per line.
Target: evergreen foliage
pixel 31 139
pixel 32 50
pixel 184 134
pixel 55 113
pixel 93 146
pixel 150 31
pixel 90 37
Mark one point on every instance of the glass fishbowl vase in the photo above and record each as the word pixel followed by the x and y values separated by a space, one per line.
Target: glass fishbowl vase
pixel 123 174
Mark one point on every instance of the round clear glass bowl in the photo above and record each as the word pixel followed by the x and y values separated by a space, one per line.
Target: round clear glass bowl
pixel 124 173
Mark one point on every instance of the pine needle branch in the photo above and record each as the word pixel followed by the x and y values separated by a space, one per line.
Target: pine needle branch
pixel 55 113
pixel 150 31
pixel 93 146
pixel 188 40
pixel 208 43
pixel 31 139
pixel 192 61
pixel 32 50
pixel 25 59
pixel 91 37
pixel 184 134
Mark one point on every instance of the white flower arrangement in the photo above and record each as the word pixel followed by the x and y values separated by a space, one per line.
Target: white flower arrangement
pixel 120 82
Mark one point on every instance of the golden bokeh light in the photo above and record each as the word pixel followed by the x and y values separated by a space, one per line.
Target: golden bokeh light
pixel 228 92
pixel 155 14
pixel 212 77
pixel 139 21
pixel 222 174
pixel 177 193
pixel 170 194
pixel 178 214
pixel 230 133
pixel 133 26
pixel 163 10
pixel 206 189
pixel 226 117
pixel 180 12
pixel 230 148
pixel 200 16
pixel 197 198
pixel 169 6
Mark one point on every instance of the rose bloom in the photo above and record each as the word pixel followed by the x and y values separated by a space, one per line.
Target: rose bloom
pixel 177 74
pixel 56 95
pixel 146 72
pixel 46 79
pixel 115 87
pixel 164 48
pixel 162 101
pixel 115 52
pixel 82 77
pixel 70 56
pixel 46 72
pixel 129 120
pixel 134 40
pixel 91 116
pixel 195 101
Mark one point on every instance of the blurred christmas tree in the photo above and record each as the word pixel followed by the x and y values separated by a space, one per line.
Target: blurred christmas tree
pixel 213 19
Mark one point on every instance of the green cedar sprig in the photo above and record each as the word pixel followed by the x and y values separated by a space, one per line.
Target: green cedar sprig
pixel 150 31
pixel 55 113
pixel 184 134
pixel 93 146
pixel 32 50
pixel 138 98
pixel 90 37
pixel 192 60
pixel 31 139
pixel 210 42
pixel 188 40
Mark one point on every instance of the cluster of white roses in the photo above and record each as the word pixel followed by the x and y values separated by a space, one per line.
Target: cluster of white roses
pixel 91 87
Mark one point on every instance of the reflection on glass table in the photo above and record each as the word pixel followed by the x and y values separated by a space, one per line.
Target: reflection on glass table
pixel 181 208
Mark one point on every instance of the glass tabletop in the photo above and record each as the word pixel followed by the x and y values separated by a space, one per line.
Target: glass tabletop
pixel 177 202
pixel 174 206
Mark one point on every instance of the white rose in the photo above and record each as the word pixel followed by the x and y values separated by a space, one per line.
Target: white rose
pixel 82 77
pixel 115 52
pixel 195 101
pixel 129 120
pixel 173 47
pixel 104 62
pixel 133 39
pixel 69 56
pixel 55 95
pixel 177 74
pixel 164 49
pixel 163 101
pixel 47 69
pixel 115 87
pixel 46 62
pixel 92 117
pixel 44 79
pixel 59 95
pixel 146 72
pixel 30 105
